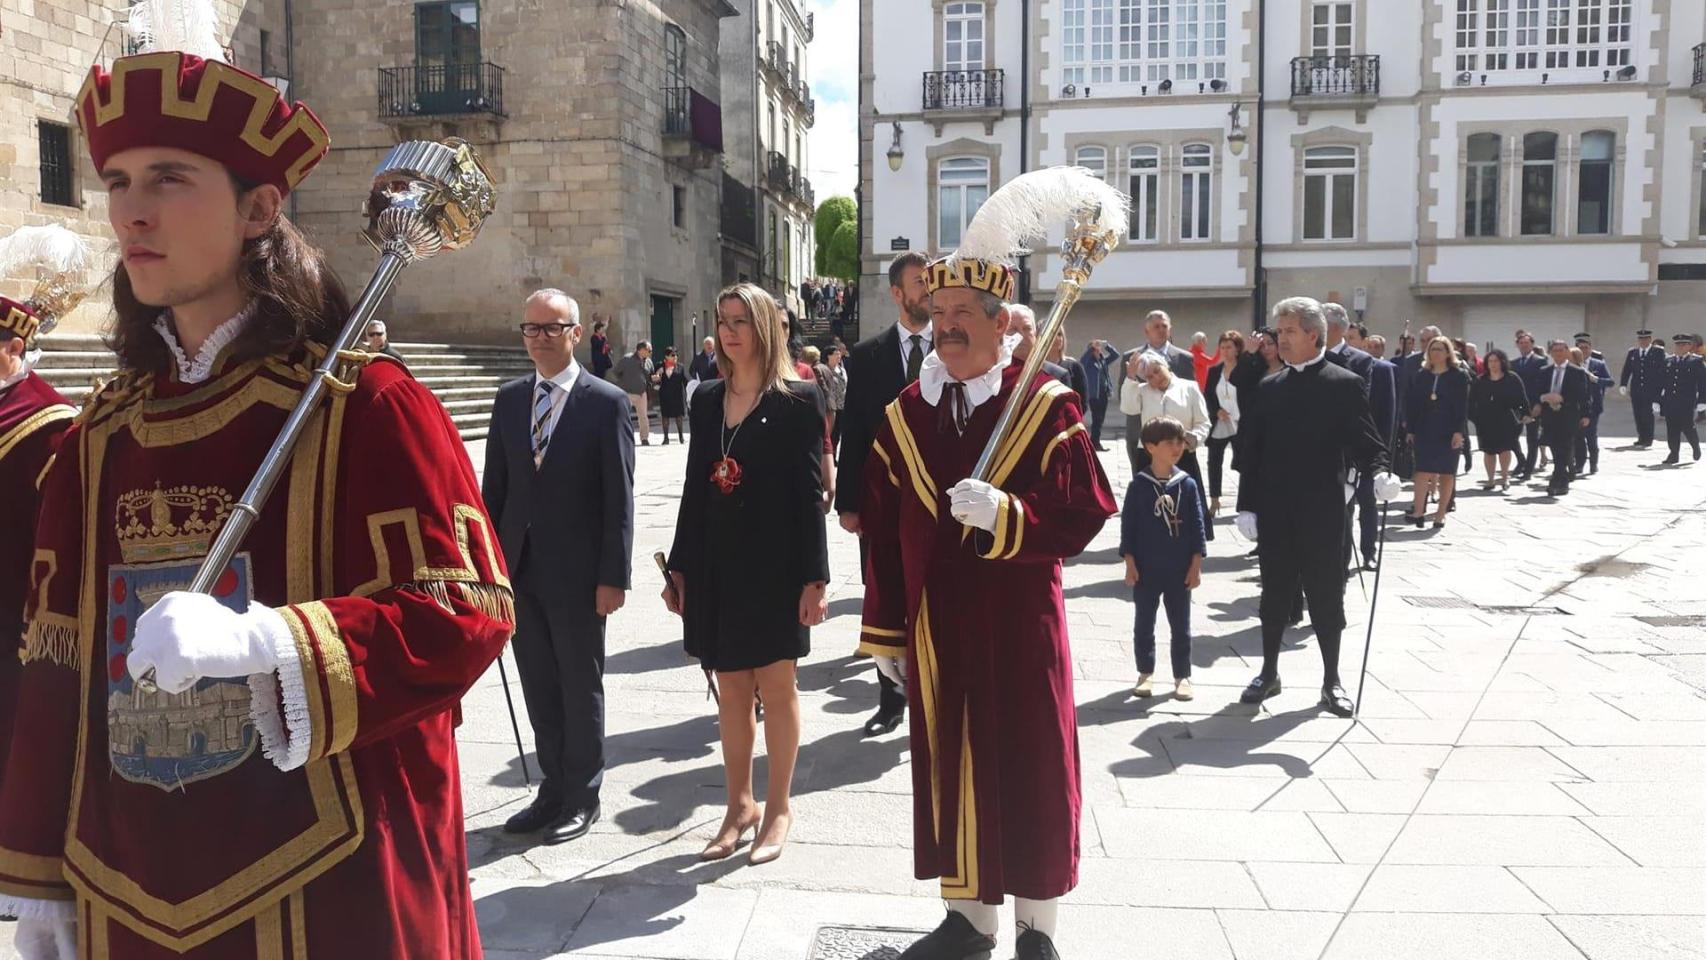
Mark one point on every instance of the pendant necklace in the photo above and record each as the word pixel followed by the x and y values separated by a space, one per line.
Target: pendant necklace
pixel 1434 394
pixel 725 473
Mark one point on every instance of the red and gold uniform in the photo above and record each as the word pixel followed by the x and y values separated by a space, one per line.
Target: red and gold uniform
pixel 315 812
pixel 980 618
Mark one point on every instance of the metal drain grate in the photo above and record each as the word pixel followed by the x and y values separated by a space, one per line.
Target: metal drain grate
pixel 1522 611
pixel 848 943
pixel 1693 621
pixel 1441 603
pixel 1458 603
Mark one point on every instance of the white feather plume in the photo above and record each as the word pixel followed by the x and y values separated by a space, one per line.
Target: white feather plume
pixel 51 249
pixel 1018 217
pixel 186 26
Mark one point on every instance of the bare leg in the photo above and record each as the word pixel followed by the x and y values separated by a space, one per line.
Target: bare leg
pixel 739 730
pixel 782 748
pixel 1505 468
pixel 1447 486
pixel 1421 501
pixel 1487 459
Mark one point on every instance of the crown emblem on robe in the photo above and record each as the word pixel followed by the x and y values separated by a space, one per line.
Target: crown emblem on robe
pixel 992 278
pixel 171 523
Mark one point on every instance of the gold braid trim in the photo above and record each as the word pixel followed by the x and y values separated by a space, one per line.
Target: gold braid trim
pixel 492 600
pixel 54 641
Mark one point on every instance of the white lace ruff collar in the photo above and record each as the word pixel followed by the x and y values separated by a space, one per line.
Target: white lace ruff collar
pixel 196 371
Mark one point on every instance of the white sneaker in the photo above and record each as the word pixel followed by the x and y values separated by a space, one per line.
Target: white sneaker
pixel 1182 690
pixel 1145 686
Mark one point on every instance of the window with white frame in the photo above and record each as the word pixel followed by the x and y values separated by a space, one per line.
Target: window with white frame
pixel 1093 159
pixel 1143 185
pixel 1594 182
pixel 1196 191
pixel 962 184
pixel 1331 28
pixel 962 37
pixel 1703 190
pixel 1494 35
pixel 1481 187
pixel 1143 41
pixel 1539 182
pixel 1329 193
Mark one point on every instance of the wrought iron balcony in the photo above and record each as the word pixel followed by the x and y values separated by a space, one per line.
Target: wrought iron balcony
pixel 786 179
pixel 1353 76
pixel 964 89
pixel 1700 71
pixel 811 27
pixel 692 127
pixel 775 59
pixel 445 89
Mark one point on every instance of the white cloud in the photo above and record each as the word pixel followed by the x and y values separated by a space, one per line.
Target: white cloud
pixel 833 70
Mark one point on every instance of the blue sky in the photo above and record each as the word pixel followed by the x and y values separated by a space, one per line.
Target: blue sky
pixel 833 68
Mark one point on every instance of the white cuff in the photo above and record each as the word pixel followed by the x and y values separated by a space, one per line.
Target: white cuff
pixel 286 734
pixel 27 908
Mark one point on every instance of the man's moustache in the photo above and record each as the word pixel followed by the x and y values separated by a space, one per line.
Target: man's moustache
pixel 955 337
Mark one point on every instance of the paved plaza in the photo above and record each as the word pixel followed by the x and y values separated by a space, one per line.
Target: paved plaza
pixel 1525 780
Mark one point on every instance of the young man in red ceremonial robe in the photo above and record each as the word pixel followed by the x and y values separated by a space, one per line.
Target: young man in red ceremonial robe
pixel 290 789
pixel 33 418
pixel 963 598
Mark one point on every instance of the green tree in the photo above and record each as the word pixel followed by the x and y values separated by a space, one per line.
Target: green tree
pixel 831 214
pixel 842 254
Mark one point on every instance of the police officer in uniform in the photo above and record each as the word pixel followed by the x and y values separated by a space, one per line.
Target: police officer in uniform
pixel 1684 387
pixel 1642 379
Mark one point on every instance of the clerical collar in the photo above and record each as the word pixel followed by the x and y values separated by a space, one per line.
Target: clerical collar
pixel 30 359
pixel 1300 367
pixel 933 376
pixel 191 372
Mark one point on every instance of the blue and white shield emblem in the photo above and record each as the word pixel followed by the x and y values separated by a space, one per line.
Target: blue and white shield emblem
pixel 168 740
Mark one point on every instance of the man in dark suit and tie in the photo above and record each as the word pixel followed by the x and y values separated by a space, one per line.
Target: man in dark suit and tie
pixel 1642 380
pixel 1531 367
pixel 1563 412
pixel 559 484
pixel 1380 384
pixel 878 369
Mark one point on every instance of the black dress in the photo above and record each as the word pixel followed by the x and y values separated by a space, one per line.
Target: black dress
pixel 672 392
pixel 1497 408
pixel 1438 407
pixel 745 554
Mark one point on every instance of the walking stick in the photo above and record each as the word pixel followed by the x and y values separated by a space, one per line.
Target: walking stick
pixel 520 752
pixel 426 197
pixel 1373 604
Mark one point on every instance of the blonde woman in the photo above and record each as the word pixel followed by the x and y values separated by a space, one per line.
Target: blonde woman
pixel 750 563
pixel 1438 418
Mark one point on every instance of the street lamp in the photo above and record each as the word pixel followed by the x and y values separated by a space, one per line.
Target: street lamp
pixel 1236 138
pixel 896 154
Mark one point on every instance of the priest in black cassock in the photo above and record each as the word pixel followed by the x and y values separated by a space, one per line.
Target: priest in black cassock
pixel 1307 438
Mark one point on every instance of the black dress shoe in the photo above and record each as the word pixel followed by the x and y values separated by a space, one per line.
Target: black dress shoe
pixel 1334 701
pixel 1671 461
pixel 955 939
pixel 537 816
pixel 1035 945
pixel 1261 688
pixel 572 825
pixel 887 719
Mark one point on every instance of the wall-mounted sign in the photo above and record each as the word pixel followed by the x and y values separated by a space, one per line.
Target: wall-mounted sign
pixel 899 245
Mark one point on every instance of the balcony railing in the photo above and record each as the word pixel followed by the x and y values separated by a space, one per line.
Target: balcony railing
pixel 785 178
pixel 964 89
pixel 690 116
pixel 1700 66
pixel 441 89
pixel 1355 76
pixel 775 59
pixel 739 213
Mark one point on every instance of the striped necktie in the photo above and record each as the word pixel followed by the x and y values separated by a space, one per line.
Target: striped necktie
pixel 542 420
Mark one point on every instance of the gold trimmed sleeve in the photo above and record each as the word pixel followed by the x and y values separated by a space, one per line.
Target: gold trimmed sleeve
pixel 878 641
pixel 307 709
pixel 1059 438
pixel 1004 541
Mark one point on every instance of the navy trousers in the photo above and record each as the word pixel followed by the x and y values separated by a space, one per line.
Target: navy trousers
pixel 1177 599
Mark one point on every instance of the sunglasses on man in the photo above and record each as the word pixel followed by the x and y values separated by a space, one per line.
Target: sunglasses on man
pixel 549 331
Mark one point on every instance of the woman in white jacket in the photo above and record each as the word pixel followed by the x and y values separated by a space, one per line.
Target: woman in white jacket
pixel 1151 390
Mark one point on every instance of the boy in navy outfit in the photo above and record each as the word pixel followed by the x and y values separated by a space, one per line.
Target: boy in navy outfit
pixel 1161 538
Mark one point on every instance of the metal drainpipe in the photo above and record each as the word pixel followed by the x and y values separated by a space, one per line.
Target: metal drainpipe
pixel 1025 121
pixel 1259 284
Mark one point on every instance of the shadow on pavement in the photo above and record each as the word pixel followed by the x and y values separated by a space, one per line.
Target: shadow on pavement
pixel 1167 746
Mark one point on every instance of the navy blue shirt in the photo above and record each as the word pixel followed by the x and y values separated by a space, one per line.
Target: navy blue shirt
pixel 1161 546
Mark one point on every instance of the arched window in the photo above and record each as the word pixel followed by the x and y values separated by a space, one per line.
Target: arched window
pixel 1594 179
pixel 1196 191
pixel 962 37
pixel 1481 187
pixel 1093 159
pixel 962 184
pixel 1539 182
pixel 1144 186
pixel 1329 193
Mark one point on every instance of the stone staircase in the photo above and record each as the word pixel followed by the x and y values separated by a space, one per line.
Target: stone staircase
pixel 464 377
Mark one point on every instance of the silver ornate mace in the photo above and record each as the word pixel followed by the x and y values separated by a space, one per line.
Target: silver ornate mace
pixel 427 197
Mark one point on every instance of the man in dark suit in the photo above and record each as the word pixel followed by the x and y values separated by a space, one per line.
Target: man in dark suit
pixel 1308 428
pixel 1599 381
pixel 559 484
pixel 1532 368
pixel 1098 358
pixel 704 365
pixel 1380 383
pixel 878 368
pixel 1563 412
pixel 1642 379
pixel 1023 321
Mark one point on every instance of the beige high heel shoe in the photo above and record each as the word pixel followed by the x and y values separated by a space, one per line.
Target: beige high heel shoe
pixel 720 849
pixel 771 852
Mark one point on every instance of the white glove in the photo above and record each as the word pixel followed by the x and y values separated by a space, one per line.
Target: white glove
pixel 894 668
pixel 1350 491
pixel 185 637
pixel 41 938
pixel 974 503
pixel 1656 408
pixel 1623 391
pixel 1387 487
pixel 1246 524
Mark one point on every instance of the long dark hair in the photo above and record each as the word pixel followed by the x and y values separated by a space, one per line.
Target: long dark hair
pixel 1504 362
pixel 297 297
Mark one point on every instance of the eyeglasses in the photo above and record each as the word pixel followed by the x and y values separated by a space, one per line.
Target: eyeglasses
pixel 551 331
pixel 374 335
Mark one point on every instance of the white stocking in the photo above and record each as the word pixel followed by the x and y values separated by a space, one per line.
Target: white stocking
pixel 985 918
pixel 1038 915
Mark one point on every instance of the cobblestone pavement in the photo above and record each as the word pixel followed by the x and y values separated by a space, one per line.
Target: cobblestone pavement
pixel 1524 781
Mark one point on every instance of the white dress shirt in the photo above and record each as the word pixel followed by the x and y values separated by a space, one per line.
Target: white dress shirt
pixel 1228 397
pixel 1181 400
pixel 565 379
pixel 927 344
